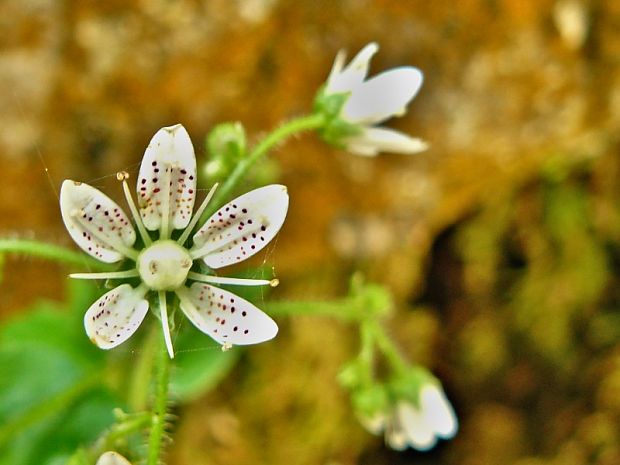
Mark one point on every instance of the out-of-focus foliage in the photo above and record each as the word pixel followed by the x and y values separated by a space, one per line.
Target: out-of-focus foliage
pixel 538 263
pixel 58 391
pixel 198 370
pixel 51 397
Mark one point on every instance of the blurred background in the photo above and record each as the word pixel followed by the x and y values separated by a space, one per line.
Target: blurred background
pixel 500 243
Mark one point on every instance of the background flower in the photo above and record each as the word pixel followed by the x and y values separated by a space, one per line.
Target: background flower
pixel 363 103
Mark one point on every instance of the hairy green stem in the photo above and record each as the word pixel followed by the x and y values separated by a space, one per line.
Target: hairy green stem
pixel 158 417
pixel 49 252
pixel 343 309
pixel 355 309
pixel 367 351
pixel 387 347
pixel 225 191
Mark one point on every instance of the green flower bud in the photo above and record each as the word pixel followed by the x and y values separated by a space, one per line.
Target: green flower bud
pixel 375 299
pixel 226 146
pixel 354 374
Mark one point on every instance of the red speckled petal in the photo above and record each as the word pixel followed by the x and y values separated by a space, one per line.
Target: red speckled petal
pixel 242 227
pixel 115 316
pixel 169 156
pixel 94 221
pixel 226 317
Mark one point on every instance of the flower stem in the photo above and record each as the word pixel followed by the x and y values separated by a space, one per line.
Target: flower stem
pixel 158 417
pixel 137 396
pixel 49 252
pixel 365 301
pixel 125 427
pixel 367 351
pixel 387 347
pixel 304 123
pixel 343 309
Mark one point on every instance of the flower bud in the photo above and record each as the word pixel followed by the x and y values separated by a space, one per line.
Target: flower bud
pixel 226 145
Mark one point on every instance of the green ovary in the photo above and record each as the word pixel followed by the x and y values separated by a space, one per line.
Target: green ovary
pixel 164 265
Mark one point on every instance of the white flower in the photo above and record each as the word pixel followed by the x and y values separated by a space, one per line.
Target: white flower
pixel 408 425
pixel 373 101
pixel 112 458
pixel 166 190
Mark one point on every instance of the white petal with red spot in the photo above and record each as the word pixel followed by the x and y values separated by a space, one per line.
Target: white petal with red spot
pixel 226 317
pixel 242 227
pixel 169 156
pixel 115 316
pixel 94 221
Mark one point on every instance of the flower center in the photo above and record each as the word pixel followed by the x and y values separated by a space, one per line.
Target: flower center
pixel 164 265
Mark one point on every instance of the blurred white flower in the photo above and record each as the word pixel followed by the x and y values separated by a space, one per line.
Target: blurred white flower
pixel 572 21
pixel 407 425
pixel 112 458
pixel 372 101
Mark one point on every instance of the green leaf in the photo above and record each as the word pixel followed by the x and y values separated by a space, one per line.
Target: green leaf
pixel 51 393
pixel 200 364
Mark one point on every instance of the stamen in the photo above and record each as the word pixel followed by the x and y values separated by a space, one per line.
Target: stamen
pixel 188 230
pixel 233 281
pixel 163 309
pixel 226 346
pixel 106 275
pixel 112 241
pixel 212 246
pixel 123 176
pixel 165 202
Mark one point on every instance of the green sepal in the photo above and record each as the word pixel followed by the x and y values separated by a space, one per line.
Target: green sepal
pixel 370 401
pixel 407 386
pixel 335 129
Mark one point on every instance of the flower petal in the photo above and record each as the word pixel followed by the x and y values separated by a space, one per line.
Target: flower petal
pixel 419 432
pixel 112 458
pixel 224 316
pixel 345 80
pixel 242 227
pixel 95 222
pixel 168 170
pixel 383 96
pixel 374 424
pixel 371 141
pixel 395 435
pixel 438 412
pixel 115 316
